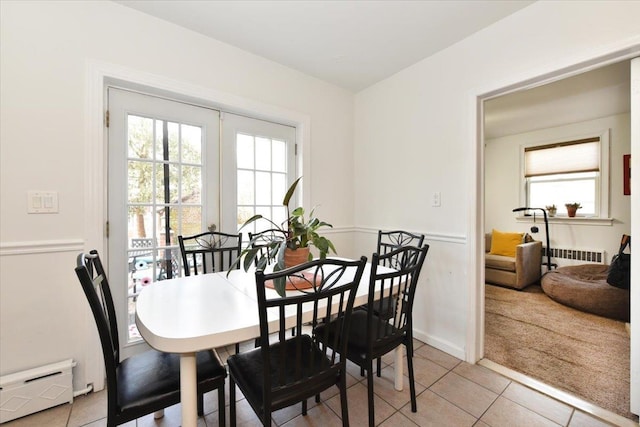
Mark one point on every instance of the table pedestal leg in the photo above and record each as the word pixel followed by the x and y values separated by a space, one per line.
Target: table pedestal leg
pixel 188 389
pixel 398 368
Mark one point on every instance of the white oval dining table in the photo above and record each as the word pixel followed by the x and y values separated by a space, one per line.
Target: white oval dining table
pixel 193 313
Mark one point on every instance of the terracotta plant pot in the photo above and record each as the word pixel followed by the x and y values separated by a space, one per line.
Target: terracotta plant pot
pixel 571 211
pixel 293 257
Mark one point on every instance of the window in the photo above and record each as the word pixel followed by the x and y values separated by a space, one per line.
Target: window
pixel 568 172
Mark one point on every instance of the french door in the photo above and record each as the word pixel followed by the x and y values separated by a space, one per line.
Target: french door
pixel 171 174
pixel 163 182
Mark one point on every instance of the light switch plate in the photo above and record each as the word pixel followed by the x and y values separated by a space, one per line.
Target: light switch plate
pixel 42 202
pixel 435 201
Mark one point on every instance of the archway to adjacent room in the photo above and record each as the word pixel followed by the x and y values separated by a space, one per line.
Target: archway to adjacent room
pixel 478 225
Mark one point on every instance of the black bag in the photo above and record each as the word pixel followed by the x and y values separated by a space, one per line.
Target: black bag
pixel 619 272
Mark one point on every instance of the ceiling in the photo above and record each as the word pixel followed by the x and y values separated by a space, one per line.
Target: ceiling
pixel 355 44
pixel 598 93
pixel 352 44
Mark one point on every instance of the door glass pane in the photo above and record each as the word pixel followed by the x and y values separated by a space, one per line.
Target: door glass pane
pixel 246 187
pixel 263 154
pixel 167 183
pixel 279 182
pixel 244 213
pixel 140 182
pixel 244 151
pixel 191 184
pixel 279 157
pixel 140 139
pixel 191 220
pixel 191 144
pixel 263 188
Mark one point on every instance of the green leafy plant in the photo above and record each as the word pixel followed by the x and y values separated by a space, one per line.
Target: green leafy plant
pixel 297 231
pixel 573 205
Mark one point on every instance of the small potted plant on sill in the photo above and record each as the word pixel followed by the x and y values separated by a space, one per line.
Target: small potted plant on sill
pixel 551 210
pixel 572 208
pixel 289 243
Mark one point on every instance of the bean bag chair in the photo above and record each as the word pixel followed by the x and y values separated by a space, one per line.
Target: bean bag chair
pixel 584 287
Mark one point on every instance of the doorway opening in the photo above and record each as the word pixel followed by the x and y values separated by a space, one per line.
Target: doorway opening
pixel 501 214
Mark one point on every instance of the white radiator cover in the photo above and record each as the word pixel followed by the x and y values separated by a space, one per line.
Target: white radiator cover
pixel 33 390
pixel 571 256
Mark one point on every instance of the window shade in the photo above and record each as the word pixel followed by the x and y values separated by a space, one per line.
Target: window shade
pixel 565 157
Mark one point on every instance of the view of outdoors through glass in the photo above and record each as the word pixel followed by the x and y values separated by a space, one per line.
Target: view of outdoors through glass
pixel 164 200
pixel 564 188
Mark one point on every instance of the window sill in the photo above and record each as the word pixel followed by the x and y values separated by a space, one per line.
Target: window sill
pixel 577 220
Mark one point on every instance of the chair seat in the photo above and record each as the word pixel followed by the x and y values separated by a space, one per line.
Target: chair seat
pixel 386 340
pixel 145 378
pixel 500 262
pixel 247 368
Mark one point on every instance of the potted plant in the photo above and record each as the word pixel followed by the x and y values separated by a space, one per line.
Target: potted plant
pixel 572 208
pixel 551 210
pixel 291 243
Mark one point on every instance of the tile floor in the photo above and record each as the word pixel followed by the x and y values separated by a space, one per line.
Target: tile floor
pixel 450 392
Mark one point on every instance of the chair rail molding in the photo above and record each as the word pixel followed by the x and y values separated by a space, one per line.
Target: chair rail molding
pixel 434 237
pixel 41 247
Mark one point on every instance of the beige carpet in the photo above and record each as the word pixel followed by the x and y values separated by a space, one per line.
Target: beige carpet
pixel 584 354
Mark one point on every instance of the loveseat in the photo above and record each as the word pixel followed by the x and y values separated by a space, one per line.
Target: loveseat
pixel 516 272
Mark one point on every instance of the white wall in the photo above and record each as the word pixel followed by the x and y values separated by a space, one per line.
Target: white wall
pixel 46 48
pixel 502 160
pixel 417 133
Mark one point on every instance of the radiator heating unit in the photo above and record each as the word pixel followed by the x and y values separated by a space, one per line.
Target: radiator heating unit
pixel 33 390
pixel 577 256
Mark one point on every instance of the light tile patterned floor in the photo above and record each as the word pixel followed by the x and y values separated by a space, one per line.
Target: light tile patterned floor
pixel 450 392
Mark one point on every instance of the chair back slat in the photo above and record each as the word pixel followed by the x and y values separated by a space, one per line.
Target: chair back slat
pixel 209 252
pixel 299 365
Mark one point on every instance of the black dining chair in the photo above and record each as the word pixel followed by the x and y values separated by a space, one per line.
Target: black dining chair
pixel 389 241
pixel 209 252
pixel 261 241
pixel 382 328
pixel 149 381
pixel 286 370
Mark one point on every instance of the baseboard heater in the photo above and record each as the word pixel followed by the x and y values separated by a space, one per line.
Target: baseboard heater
pixel 592 256
pixel 34 390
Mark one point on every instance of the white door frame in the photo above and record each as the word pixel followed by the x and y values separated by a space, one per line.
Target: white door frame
pixel 99 74
pixel 546 73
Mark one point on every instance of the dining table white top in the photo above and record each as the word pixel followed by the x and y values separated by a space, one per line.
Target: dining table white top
pixel 193 313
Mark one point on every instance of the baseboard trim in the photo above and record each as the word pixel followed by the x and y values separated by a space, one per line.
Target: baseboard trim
pixel 559 395
pixel 440 344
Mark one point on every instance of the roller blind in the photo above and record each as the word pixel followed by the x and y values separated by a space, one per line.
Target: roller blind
pixel 564 157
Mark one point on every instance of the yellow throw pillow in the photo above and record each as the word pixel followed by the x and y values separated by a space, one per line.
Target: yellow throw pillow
pixel 505 243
